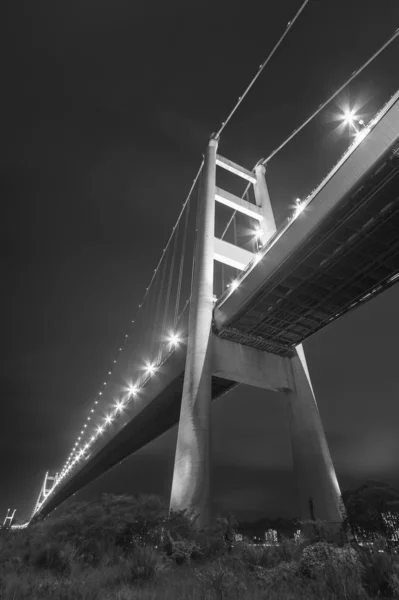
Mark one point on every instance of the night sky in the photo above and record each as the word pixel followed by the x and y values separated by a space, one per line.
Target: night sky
pixel 106 111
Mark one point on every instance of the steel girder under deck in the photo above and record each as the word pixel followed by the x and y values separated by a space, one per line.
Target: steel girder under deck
pixel 351 257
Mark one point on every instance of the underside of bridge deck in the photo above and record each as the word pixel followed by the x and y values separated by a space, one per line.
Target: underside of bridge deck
pixel 351 257
pixel 156 418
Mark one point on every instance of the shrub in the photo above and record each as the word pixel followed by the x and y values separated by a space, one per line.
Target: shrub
pixel 54 556
pixel 182 540
pixel 226 528
pixel 95 529
pixel 258 556
pixel 220 580
pixel 289 549
pixel 144 563
pixel 181 524
pixel 14 548
pixel 15 588
pixel 338 571
pixel 210 543
pixel 181 551
pixel 55 588
pixel 282 577
pixel 394 583
pixel 380 571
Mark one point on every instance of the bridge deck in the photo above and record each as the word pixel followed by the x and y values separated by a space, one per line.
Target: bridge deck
pixel 159 412
pixel 341 251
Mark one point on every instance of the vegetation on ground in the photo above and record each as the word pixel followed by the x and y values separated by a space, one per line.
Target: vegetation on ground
pixel 125 548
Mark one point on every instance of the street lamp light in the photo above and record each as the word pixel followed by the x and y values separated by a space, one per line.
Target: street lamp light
pixel 174 339
pixel 349 117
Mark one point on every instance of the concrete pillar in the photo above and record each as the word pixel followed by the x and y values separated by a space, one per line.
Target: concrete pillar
pixel 317 485
pixel 191 475
pixel 262 199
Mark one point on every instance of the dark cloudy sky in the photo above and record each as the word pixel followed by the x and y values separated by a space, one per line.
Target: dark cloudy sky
pixel 106 110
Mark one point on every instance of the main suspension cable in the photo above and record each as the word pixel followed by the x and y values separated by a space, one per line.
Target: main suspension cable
pixel 261 67
pixel 315 113
pixel 324 104
pixel 167 298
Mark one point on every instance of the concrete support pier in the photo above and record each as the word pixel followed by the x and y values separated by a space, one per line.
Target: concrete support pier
pixel 317 485
pixel 191 475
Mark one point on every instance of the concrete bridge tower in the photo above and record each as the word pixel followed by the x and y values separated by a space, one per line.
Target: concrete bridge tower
pixel 208 354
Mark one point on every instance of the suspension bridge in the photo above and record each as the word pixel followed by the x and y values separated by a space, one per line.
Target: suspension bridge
pixel 231 303
pixel 220 312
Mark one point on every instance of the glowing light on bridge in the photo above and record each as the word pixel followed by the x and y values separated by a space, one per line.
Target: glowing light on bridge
pixel 150 369
pixel 234 285
pixel 258 233
pixel 133 389
pixel 108 419
pixel 120 405
pixel 299 207
pixel 174 339
pixel 349 117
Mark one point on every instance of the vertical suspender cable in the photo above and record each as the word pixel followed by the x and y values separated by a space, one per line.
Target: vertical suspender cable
pixel 165 314
pixel 156 320
pixel 194 252
pixel 229 222
pixel 155 293
pixel 178 291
